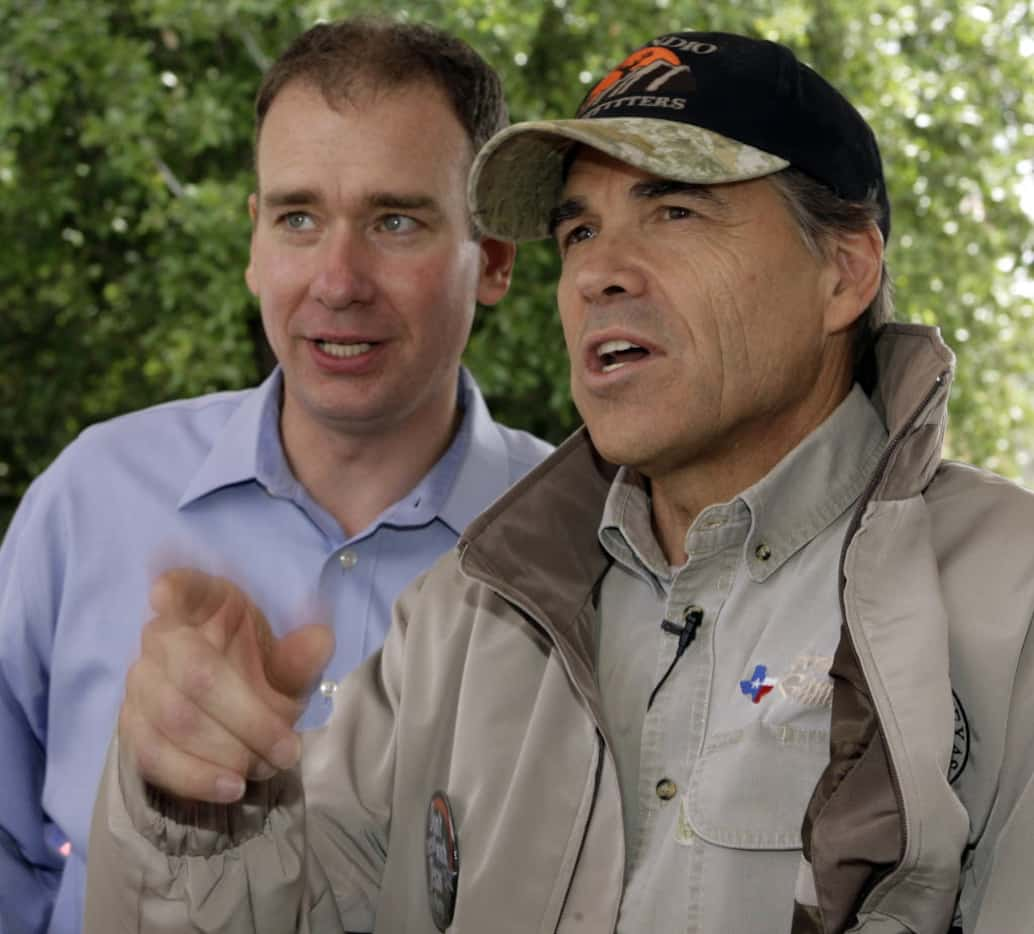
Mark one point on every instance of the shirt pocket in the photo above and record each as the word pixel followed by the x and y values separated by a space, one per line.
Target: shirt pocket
pixel 750 786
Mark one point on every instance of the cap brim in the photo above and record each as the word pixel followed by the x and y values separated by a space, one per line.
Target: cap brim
pixel 516 179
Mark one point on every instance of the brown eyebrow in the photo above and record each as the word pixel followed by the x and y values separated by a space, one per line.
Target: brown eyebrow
pixel 286 197
pixel 387 199
pixel 567 209
pixel 379 199
pixel 662 187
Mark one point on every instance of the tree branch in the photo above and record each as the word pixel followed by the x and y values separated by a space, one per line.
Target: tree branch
pixel 261 60
pixel 169 177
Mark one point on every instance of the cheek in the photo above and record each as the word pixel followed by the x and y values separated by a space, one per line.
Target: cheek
pixel 435 294
pixel 570 318
pixel 280 281
pixel 709 294
pixel 275 273
pixel 449 274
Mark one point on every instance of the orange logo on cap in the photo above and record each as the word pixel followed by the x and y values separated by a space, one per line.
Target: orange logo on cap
pixel 642 58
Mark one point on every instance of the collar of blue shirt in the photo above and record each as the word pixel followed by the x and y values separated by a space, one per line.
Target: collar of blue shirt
pixel 459 486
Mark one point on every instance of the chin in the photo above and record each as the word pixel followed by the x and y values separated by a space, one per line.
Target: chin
pixel 625 448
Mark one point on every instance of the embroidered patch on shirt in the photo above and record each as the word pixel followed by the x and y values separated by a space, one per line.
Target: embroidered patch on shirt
pixel 759 684
pixel 808 682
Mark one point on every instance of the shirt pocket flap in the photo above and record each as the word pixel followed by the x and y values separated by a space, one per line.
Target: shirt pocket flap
pixel 750 786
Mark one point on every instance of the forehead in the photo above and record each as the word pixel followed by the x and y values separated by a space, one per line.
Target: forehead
pixel 587 166
pixel 407 131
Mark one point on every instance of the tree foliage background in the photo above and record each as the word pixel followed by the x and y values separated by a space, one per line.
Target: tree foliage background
pixel 125 164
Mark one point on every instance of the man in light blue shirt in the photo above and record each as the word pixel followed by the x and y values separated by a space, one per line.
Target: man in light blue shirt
pixel 321 492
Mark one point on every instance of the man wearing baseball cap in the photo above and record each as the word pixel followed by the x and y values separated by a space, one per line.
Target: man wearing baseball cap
pixel 744 655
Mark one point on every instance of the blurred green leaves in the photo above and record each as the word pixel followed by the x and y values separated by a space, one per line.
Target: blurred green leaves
pixel 125 165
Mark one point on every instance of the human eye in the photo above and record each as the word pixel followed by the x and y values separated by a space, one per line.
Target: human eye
pixel 677 212
pixel 398 224
pixel 296 220
pixel 572 236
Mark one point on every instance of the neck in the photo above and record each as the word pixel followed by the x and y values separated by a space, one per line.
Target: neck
pixel 356 475
pixel 679 495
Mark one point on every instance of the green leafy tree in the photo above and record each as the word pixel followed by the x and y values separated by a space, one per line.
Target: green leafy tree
pixel 125 164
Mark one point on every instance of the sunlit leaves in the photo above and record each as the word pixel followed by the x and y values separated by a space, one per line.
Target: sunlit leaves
pixel 125 163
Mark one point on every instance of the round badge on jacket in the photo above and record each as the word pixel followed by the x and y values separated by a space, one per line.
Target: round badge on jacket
pixel 960 741
pixel 441 849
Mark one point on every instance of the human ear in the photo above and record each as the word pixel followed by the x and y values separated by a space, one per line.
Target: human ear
pixel 497 259
pixel 249 271
pixel 857 269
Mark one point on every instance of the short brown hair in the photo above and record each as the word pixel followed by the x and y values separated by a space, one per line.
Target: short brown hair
pixel 370 53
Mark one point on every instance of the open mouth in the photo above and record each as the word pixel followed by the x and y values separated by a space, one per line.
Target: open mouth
pixel 343 351
pixel 613 355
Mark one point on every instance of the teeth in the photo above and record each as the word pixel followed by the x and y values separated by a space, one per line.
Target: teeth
pixel 608 350
pixel 343 350
pixel 614 347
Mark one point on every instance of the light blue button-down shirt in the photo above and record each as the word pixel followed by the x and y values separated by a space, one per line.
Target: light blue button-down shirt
pixel 204 483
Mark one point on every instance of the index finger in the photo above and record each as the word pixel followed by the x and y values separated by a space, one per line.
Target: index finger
pixel 186 592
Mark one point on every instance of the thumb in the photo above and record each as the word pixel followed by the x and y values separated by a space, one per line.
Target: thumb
pixel 294 663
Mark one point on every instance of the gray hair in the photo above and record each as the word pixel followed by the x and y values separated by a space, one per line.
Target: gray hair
pixel 820 215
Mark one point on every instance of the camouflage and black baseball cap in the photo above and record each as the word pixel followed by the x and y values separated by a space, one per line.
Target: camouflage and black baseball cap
pixel 701 107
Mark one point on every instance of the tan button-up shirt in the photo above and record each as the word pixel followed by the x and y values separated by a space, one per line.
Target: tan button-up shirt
pixel 716 774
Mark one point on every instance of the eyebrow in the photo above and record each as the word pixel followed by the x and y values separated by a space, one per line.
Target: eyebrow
pixel 565 211
pixel 648 190
pixel 387 199
pixel 662 187
pixel 286 197
pixel 379 199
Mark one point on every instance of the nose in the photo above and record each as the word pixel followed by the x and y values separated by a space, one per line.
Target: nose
pixel 343 275
pixel 607 269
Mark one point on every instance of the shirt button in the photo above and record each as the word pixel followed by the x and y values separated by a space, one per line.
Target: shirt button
pixel 762 552
pixel 348 559
pixel 328 688
pixel 666 789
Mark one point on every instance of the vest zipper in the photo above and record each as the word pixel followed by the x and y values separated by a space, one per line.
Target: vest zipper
pixel 852 529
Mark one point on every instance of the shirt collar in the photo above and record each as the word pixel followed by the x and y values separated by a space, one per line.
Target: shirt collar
pixel 428 499
pixel 466 478
pixel 248 448
pixel 626 528
pixel 802 495
pixel 813 485
pixel 485 459
pixel 463 482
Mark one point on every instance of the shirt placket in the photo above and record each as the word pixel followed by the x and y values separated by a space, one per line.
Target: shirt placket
pixel 675 725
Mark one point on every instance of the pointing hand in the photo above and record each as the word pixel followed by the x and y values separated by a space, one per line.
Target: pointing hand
pixel 213 698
